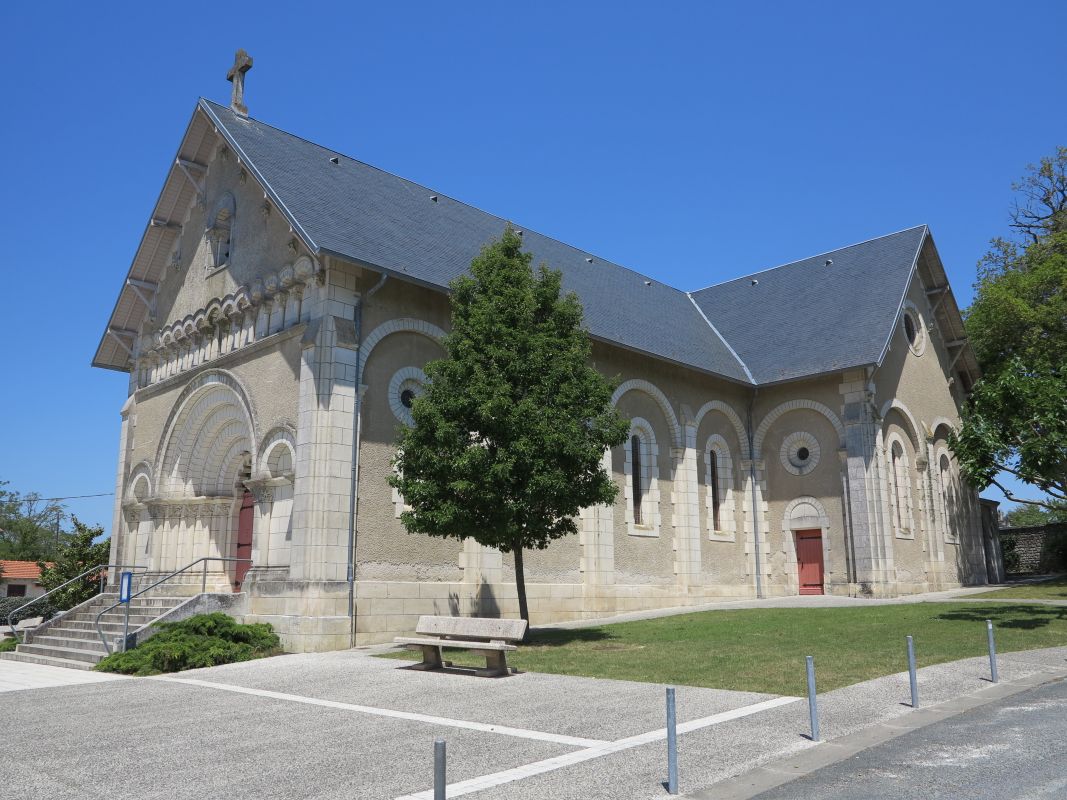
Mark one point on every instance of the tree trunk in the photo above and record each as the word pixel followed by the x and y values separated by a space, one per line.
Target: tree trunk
pixel 520 584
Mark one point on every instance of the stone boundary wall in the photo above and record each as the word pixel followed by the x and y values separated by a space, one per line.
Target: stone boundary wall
pixel 1034 547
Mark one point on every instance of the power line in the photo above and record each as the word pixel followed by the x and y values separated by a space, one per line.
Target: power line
pixel 75 496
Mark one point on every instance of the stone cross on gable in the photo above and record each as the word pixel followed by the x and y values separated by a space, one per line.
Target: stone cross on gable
pixel 242 62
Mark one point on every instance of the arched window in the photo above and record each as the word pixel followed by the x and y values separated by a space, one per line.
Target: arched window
pixel 637 477
pixel 220 232
pixel 947 495
pixel 719 489
pixel 900 489
pixel 642 476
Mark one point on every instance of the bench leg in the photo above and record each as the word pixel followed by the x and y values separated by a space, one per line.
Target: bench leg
pixel 496 664
pixel 431 658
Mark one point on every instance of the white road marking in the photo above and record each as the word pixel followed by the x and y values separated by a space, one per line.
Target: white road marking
pixel 606 748
pixel 17 675
pixel 521 733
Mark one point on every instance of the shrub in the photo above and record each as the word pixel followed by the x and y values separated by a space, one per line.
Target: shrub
pixel 42 608
pixel 1011 555
pixel 205 640
pixel 7 645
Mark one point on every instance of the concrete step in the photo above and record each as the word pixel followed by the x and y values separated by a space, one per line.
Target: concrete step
pixel 81 633
pixel 65 641
pixel 87 626
pixel 90 657
pixel 50 661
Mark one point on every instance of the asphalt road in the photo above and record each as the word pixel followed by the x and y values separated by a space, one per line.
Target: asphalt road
pixel 1014 748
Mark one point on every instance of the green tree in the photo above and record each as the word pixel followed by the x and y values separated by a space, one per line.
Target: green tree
pixel 1024 516
pixel 75 556
pixel 27 525
pixel 512 426
pixel 1016 419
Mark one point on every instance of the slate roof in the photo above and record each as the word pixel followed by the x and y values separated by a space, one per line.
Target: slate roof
pixel 810 317
pixel 359 212
pixel 801 319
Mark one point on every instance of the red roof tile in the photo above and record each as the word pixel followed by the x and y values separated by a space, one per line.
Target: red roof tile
pixel 19 569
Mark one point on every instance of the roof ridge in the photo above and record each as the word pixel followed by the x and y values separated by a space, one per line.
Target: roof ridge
pixel 813 255
pixel 722 338
pixel 443 195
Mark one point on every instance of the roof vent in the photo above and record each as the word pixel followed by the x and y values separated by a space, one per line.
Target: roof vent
pixel 648 283
pixel 335 160
pixel 829 262
pixel 433 197
pixel 588 259
pixel 518 233
pixel 755 282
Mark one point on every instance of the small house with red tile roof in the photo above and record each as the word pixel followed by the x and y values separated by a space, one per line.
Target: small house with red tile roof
pixel 20 579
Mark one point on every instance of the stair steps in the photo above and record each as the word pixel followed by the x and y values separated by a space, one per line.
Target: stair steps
pixel 73 640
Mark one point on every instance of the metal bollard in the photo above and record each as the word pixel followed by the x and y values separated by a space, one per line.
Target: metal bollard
pixel 911 674
pixel 813 709
pixel 672 744
pixel 992 651
pixel 438 769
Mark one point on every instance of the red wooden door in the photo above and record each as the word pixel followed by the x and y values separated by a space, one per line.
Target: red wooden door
pixel 809 561
pixel 244 539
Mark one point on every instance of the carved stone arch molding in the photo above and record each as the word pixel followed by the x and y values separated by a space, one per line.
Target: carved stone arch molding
pixel 403 324
pixel 639 385
pixel 140 483
pixel 914 429
pixel 274 444
pixel 785 408
pixel 209 434
pixel 732 416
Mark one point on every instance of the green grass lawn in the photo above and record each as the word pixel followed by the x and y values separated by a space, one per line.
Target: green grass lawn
pixel 762 650
pixel 1046 590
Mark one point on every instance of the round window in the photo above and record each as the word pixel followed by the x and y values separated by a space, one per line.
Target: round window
pixel 404 387
pixel 800 453
pixel 914 331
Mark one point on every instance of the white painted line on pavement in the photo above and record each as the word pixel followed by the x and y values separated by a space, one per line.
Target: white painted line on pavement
pixel 521 733
pixel 606 748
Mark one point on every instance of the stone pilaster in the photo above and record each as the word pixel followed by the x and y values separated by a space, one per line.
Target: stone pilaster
pixel 323 481
pixel 117 533
pixel 685 494
pixel 873 561
pixel 754 481
pixel 596 537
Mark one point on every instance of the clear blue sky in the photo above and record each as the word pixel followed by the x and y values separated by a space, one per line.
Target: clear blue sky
pixel 695 141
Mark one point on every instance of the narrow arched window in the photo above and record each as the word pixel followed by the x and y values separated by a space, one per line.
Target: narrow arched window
pixel 713 487
pixel 898 507
pixel 220 232
pixel 636 477
pixel 948 504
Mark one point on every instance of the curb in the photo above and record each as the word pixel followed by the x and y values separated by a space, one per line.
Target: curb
pixel 776 774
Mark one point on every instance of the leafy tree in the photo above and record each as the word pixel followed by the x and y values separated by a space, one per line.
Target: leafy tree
pixel 1016 419
pixel 510 432
pixel 1025 516
pixel 27 525
pixel 76 556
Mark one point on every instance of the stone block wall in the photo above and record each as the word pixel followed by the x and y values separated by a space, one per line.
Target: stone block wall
pixel 1039 548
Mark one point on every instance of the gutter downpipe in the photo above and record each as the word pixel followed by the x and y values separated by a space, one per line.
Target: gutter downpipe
pixel 357 426
pixel 755 503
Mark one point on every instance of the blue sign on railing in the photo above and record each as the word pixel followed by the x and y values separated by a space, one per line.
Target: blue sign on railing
pixel 125 586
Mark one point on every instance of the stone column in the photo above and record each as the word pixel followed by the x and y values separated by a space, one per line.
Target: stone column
pixel 264 497
pixel 120 482
pixel 597 542
pixel 872 560
pixel 687 540
pixel 326 417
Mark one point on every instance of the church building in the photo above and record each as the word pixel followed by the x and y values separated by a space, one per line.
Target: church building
pixel 789 429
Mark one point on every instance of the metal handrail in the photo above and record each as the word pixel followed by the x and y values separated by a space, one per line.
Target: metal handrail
pixel 138 593
pixel 39 598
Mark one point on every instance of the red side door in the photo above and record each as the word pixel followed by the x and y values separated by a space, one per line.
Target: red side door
pixel 244 539
pixel 809 561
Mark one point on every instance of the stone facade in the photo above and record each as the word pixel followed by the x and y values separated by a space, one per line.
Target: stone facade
pixel 266 369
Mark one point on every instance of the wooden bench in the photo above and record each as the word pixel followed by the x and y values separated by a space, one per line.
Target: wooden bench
pixel 491 637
